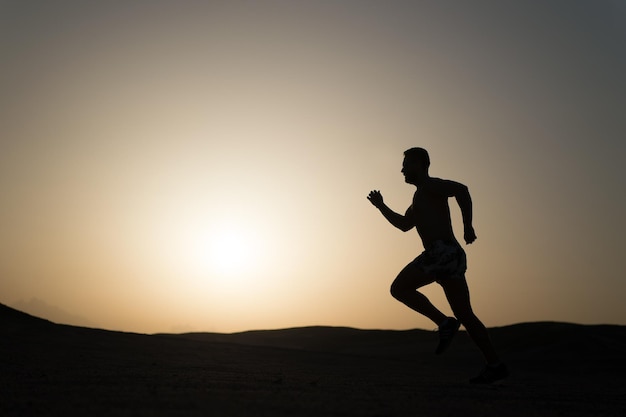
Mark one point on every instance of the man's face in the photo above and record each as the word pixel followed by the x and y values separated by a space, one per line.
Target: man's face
pixel 410 169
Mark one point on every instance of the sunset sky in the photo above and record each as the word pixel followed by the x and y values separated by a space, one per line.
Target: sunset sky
pixel 170 166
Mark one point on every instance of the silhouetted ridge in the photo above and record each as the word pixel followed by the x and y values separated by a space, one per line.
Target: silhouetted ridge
pixel 534 344
pixel 543 344
pixel 10 317
pixel 324 338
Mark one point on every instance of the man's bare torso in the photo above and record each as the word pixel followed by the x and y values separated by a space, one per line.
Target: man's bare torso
pixel 431 213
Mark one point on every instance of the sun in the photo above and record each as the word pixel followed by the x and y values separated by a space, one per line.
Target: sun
pixel 231 252
pixel 226 252
pixel 218 256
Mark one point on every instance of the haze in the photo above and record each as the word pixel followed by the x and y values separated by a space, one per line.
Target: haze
pixel 178 166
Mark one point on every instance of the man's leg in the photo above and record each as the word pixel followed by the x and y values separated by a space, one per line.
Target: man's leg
pixel 404 289
pixel 458 296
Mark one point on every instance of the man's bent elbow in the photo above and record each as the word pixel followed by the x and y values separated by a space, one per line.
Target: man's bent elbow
pixel 463 190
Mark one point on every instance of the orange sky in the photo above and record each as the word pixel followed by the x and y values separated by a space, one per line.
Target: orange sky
pixel 204 165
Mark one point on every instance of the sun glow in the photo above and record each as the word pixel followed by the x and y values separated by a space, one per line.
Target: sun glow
pixel 225 252
pixel 231 252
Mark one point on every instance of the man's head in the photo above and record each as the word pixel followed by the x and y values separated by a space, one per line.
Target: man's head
pixel 415 164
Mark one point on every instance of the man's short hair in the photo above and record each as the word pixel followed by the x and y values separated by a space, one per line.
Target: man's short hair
pixel 418 154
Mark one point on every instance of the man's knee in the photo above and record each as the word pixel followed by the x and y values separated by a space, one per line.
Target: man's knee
pixel 401 288
pixel 397 291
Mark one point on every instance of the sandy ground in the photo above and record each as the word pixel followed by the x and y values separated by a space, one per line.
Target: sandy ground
pixel 54 370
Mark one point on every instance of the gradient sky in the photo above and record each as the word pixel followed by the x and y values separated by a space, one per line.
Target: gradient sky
pixel 204 165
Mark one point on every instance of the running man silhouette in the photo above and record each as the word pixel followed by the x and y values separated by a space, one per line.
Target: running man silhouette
pixel 443 260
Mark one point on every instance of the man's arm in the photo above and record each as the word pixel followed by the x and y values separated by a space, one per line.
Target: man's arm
pixel 464 200
pixel 461 193
pixel 403 223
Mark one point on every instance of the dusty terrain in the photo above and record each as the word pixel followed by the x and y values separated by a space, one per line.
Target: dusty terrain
pixel 558 369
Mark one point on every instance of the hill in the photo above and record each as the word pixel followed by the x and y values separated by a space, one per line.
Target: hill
pixel 557 369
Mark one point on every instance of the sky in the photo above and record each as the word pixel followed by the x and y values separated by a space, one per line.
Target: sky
pixel 204 165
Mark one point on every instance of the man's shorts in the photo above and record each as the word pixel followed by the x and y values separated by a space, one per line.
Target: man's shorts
pixel 443 259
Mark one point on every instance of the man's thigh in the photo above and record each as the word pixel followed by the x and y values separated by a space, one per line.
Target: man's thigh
pixel 413 277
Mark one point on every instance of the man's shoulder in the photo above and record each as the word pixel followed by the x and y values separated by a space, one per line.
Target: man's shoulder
pixel 435 180
pixel 441 187
pixel 433 183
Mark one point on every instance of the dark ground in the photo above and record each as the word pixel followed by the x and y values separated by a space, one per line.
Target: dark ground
pixel 558 369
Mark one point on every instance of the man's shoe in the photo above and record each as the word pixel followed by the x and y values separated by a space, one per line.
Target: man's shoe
pixel 491 374
pixel 447 330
